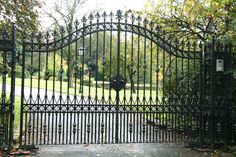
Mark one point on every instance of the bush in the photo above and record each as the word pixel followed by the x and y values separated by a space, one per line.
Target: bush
pixel 65 79
pixel 77 81
pixel 18 73
pixel 51 78
pixel 51 73
pixel 233 150
pixel 41 75
pixel 86 81
pixel 8 69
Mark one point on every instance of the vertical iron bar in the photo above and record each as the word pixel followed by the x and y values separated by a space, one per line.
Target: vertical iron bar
pixel 126 114
pixel 97 122
pixel 182 90
pixel 89 94
pixel 76 66
pixel 69 84
pixel 46 115
pixel 139 112
pixel 187 117
pixel 176 92
pixel 157 104
pixel 31 80
pixel 103 79
pixel 110 131
pixel 201 97
pixel 3 94
pixel 53 91
pixel 163 95
pixel 82 73
pixel 118 81
pixel 151 111
pixel 169 71
pixel 61 75
pixel 12 85
pixel 30 108
pixel 212 92
pixel 145 115
pixel 22 89
pixel 40 104
pixel 132 115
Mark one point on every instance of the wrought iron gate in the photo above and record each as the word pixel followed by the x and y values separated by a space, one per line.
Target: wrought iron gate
pixel 114 79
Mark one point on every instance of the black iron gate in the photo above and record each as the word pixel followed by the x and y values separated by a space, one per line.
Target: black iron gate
pixel 117 79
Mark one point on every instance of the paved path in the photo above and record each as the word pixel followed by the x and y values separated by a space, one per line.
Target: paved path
pixel 120 150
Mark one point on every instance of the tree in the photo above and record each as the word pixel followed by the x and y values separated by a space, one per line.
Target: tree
pixel 24 13
pixel 195 19
pixel 64 13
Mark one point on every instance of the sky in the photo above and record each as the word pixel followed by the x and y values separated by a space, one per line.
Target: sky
pixel 107 5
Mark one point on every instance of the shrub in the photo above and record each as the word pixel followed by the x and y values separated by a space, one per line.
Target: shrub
pixel 41 75
pixel 18 73
pixel 51 78
pixel 233 150
pixel 51 73
pixel 86 81
pixel 78 81
pixel 65 79
pixel 8 69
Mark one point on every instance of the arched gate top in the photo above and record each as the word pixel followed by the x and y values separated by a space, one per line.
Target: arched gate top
pixel 119 22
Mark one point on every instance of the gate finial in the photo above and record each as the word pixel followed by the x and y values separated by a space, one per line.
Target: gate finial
pixel 132 18
pixel 104 15
pixel 119 14
pixel 91 17
pixel 151 24
pixel 84 19
pixel 98 16
pixel 139 19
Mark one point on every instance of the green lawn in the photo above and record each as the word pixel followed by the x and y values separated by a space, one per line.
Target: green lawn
pixel 16 110
pixel 17 113
pixel 100 91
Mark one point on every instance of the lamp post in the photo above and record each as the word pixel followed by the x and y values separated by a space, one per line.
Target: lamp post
pixel 80 53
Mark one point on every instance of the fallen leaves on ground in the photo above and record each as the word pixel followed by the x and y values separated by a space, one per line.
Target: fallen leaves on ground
pixel 86 145
pixel 20 152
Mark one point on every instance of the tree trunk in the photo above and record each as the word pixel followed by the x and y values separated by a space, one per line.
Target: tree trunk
pixel 131 73
pixel 71 74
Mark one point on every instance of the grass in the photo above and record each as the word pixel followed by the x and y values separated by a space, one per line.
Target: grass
pixel 16 110
pixel 17 113
pixel 63 86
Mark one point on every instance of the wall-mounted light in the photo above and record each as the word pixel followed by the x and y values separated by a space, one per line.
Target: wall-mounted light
pixel 219 65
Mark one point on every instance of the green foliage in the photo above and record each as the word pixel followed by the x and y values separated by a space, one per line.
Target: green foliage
pixel 198 21
pixel 107 62
pixel 8 69
pixel 86 81
pixel 51 61
pixel 38 74
pixel 183 83
pixel 195 20
pixel 27 16
pixel 233 150
pixel 18 73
